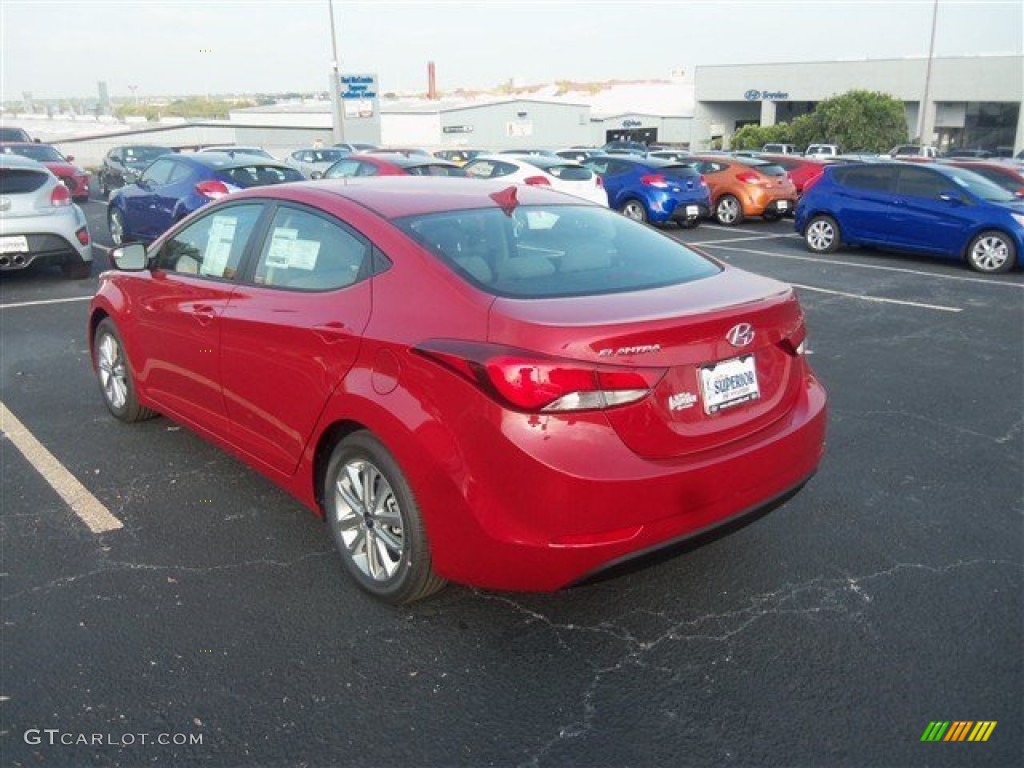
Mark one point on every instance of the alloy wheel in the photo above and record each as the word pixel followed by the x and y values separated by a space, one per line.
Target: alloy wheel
pixel 113 379
pixel 369 519
pixel 728 210
pixel 820 235
pixel 989 253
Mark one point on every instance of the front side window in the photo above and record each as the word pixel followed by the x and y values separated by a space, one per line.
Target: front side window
pixel 555 251
pixel 980 186
pixel 307 251
pixel 212 246
pixel 343 168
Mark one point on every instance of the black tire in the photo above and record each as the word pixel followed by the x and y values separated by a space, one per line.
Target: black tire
pixel 102 184
pixel 991 252
pixel 635 210
pixel 115 225
pixel 77 270
pixel 728 211
pixel 115 375
pixel 395 564
pixel 822 234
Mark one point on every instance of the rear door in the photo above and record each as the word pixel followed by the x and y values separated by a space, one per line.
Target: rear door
pixel 292 331
pixel 141 205
pixel 866 206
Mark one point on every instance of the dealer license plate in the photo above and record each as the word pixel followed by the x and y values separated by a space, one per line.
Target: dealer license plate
pixel 782 205
pixel 729 383
pixel 13 244
pixel 693 210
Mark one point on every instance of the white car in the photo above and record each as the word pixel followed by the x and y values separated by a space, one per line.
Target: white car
pixel 308 161
pixel 38 220
pixel 233 149
pixel 555 172
pixel 822 150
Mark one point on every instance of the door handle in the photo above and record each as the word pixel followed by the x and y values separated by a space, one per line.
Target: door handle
pixel 204 313
pixel 332 332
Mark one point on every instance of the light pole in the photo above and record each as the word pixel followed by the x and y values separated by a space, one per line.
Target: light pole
pixel 334 92
pixel 135 98
pixel 922 121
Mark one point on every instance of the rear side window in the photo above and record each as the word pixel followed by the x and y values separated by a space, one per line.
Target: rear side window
pixel 17 181
pixel 917 182
pixel 551 251
pixel 308 252
pixel 343 168
pixel 867 177
pixel 434 169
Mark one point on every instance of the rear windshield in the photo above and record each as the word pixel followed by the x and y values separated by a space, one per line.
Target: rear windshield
pixel 570 172
pixel 540 252
pixel 768 169
pixel 681 171
pixel 39 152
pixel 260 175
pixel 13 134
pixel 18 181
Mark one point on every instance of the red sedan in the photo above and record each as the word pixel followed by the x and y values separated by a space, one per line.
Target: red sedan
pixel 74 178
pixel 497 385
pixel 801 170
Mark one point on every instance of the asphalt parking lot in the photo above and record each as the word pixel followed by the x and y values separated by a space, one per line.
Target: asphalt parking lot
pixel 885 596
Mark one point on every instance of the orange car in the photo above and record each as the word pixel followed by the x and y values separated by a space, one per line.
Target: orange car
pixel 746 186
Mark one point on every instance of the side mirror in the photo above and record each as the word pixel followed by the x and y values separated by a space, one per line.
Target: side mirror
pixel 70 158
pixel 316 175
pixel 130 258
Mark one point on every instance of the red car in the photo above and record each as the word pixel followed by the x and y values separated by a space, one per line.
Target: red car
pixel 75 179
pixel 391 164
pixel 801 170
pixel 498 385
pixel 1006 175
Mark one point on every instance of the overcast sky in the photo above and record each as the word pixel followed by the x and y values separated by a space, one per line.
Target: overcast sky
pixel 58 49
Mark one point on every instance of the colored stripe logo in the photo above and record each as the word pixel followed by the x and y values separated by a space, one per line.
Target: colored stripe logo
pixel 958 730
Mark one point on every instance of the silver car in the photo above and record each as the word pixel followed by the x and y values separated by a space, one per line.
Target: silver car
pixel 310 161
pixel 38 220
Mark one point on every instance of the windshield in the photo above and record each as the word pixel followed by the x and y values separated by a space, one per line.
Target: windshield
pixel 979 186
pixel 144 154
pixel 39 152
pixel 260 175
pixel 555 251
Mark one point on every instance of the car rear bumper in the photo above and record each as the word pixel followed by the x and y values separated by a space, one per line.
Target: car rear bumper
pixel 758 203
pixel 546 502
pixel 52 237
pixel 672 207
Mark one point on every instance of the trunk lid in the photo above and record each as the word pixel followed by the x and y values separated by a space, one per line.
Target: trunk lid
pixel 682 329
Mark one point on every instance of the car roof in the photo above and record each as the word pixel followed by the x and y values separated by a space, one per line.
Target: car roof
pixel 395 196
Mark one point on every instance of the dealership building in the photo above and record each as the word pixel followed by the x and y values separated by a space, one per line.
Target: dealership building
pixel 973 101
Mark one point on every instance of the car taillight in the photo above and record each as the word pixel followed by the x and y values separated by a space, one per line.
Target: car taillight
pixel 530 382
pixel 748 177
pixel 537 181
pixel 212 189
pixel 703 181
pixel 83 236
pixel 598 181
pixel 654 180
pixel 811 182
pixel 60 196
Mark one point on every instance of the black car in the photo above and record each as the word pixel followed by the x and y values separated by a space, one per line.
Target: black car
pixel 578 155
pixel 624 147
pixel 10 133
pixel 124 165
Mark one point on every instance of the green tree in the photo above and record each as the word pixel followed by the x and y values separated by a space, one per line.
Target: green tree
pixel 862 120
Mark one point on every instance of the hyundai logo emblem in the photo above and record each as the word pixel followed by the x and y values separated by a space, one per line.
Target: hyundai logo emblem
pixel 740 335
pixel 752 95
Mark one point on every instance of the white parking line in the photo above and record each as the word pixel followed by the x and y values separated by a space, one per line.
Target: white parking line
pixel 734 240
pixel 818 260
pixel 720 228
pixel 104 248
pixel 42 302
pixel 878 299
pixel 88 508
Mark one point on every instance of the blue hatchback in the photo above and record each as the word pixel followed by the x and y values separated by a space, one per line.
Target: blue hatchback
pixel 940 210
pixel 174 186
pixel 650 189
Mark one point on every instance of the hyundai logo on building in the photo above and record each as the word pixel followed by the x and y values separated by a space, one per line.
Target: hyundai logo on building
pixel 740 335
pixel 631 123
pixel 752 95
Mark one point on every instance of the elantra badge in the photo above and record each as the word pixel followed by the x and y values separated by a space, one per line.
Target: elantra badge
pixel 740 335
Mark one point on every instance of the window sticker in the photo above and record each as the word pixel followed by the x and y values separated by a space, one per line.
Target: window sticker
pixel 287 251
pixel 218 245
